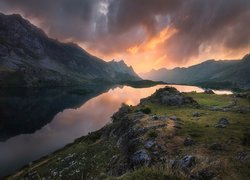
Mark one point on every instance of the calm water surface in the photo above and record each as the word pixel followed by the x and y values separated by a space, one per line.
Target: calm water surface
pixel 72 116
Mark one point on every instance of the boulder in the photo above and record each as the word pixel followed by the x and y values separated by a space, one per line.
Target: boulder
pixel 189 142
pixel 222 123
pixel 140 158
pixel 174 118
pixel 196 114
pixel 209 91
pixel 149 144
pixel 155 117
pixel 124 110
pixel 215 108
pixel 172 100
pixel 243 156
pixel 169 96
pixel 187 162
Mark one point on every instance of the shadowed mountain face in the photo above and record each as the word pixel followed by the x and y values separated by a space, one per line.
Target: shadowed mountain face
pixel 29 58
pixel 24 111
pixel 224 73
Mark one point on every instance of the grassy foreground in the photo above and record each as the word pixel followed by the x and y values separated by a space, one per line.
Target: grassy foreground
pixel 166 136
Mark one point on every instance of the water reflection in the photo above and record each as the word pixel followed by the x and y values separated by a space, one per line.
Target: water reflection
pixel 186 88
pixel 70 123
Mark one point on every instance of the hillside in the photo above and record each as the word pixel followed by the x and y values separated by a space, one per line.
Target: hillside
pixel 29 58
pixel 169 135
pixel 234 73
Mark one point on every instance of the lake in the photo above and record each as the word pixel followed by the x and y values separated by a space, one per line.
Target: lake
pixel 35 123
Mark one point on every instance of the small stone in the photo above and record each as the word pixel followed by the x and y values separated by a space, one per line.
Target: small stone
pixel 187 161
pixel 209 91
pixel 223 121
pixel 174 118
pixel 242 156
pixel 215 108
pixel 189 142
pixel 141 157
pixel 155 117
pixel 149 144
pixel 196 114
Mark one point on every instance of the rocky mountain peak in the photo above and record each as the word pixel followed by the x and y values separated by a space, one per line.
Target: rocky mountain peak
pixel 28 57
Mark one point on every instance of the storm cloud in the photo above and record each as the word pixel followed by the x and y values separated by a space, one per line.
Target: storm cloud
pixel 110 27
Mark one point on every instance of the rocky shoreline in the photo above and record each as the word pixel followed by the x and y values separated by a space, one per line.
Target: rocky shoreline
pixel 169 135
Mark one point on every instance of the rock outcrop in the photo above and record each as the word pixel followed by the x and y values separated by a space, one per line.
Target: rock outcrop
pixel 169 96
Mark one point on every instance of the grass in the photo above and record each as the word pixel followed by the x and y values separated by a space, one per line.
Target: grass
pixel 202 129
pixel 210 99
pixel 90 153
pixel 93 152
pixel 149 173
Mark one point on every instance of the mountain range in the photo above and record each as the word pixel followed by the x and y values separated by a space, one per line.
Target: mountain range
pixel 211 73
pixel 29 58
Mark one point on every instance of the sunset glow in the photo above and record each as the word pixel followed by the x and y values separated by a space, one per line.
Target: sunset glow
pixel 161 34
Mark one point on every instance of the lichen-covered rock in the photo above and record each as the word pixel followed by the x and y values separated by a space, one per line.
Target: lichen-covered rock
pixel 189 142
pixel 209 91
pixel 123 111
pixel 187 161
pixel 223 122
pixel 169 96
pixel 196 114
pixel 141 157
pixel 149 144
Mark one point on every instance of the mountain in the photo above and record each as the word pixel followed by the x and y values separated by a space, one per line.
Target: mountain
pixel 28 57
pixel 223 73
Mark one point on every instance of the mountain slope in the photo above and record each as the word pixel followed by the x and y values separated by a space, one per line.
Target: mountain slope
pixel 233 73
pixel 29 58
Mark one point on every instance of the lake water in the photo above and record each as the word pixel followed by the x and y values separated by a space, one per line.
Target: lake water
pixel 34 123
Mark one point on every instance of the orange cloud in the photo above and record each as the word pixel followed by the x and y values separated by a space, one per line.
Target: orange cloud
pixel 153 42
pixel 152 54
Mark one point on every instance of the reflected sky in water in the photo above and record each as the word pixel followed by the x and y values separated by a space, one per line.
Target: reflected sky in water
pixel 71 124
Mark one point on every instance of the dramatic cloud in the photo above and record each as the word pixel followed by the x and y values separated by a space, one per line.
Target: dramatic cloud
pixel 146 33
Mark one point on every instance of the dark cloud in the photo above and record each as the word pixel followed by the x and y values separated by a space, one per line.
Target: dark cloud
pixel 125 14
pixel 115 25
pixel 211 22
pixel 63 19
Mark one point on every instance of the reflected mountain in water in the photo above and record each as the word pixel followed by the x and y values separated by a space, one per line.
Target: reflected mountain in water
pixel 23 111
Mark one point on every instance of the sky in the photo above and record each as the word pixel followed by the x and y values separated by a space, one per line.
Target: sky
pixel 147 34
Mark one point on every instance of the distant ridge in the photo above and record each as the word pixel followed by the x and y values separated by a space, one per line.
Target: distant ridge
pixel 211 73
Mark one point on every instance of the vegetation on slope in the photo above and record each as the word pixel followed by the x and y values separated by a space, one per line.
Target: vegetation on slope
pixel 183 136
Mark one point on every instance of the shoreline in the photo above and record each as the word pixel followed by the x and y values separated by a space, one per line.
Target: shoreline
pixel 157 136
